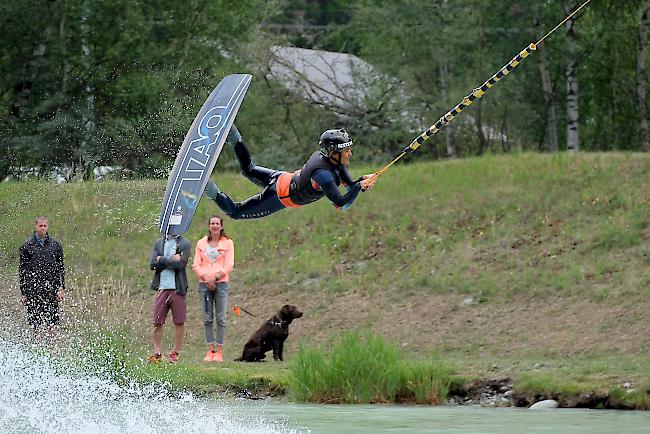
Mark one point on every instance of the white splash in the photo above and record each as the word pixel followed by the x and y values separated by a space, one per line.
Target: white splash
pixel 42 394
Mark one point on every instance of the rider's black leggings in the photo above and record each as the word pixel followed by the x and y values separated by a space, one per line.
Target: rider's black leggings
pixel 263 203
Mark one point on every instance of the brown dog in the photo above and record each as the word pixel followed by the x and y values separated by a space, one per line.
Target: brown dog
pixel 270 336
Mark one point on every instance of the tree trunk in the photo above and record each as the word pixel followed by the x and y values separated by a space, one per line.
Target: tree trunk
pixel 478 118
pixel 449 131
pixel 66 64
pixel 547 88
pixel 644 142
pixel 505 146
pixel 85 152
pixel 23 88
pixel 444 76
pixel 573 113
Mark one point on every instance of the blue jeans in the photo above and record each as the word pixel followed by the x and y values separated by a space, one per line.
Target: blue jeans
pixel 214 305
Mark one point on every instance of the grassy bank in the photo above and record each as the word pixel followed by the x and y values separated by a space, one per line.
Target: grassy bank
pixel 366 369
pixel 523 266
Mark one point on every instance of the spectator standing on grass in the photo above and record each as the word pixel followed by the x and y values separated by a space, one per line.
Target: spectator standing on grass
pixel 168 259
pixel 42 278
pixel 214 259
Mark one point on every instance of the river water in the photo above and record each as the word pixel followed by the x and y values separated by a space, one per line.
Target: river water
pixel 42 394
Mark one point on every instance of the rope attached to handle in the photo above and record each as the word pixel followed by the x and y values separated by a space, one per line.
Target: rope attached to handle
pixel 476 94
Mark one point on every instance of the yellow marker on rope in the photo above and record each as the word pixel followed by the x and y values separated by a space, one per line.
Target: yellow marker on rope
pixel 473 96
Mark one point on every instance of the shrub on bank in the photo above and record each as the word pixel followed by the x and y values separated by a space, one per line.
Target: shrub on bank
pixel 363 368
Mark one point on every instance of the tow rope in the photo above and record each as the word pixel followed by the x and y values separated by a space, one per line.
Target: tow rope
pixel 476 94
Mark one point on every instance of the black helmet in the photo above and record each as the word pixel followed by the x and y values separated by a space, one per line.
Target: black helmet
pixel 334 140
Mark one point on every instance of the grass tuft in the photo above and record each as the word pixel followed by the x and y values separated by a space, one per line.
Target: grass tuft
pixel 363 368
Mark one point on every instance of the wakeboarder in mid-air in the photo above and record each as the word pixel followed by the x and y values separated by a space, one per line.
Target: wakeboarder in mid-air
pixel 323 173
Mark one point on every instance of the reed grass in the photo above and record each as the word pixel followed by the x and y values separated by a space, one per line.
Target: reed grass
pixel 363 368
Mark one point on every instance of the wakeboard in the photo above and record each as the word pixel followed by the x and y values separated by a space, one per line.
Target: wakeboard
pixel 199 153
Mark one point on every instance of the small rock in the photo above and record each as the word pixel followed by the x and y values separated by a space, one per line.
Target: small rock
pixel 311 282
pixel 627 386
pixel 547 403
pixel 508 394
pixel 468 301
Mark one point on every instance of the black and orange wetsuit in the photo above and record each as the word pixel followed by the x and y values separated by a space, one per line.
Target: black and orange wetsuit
pixel 318 177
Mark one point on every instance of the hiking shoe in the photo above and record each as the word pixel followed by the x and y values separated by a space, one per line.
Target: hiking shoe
pixel 208 356
pixel 173 357
pixel 154 358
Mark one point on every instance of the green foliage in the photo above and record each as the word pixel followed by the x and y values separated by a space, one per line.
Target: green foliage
pixel 549 385
pixel 118 83
pixel 636 399
pixel 593 380
pixel 424 381
pixel 112 83
pixel 365 369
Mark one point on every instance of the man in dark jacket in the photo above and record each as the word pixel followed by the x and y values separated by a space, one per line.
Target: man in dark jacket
pixel 42 277
pixel 168 259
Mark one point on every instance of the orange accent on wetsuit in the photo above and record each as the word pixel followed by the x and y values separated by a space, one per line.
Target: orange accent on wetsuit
pixel 282 188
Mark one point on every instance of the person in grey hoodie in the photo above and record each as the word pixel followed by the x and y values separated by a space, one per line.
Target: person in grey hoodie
pixel 168 258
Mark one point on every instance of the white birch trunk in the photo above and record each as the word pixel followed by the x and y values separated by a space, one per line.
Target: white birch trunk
pixel 573 113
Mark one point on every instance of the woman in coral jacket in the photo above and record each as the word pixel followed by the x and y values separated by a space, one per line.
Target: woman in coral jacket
pixel 214 259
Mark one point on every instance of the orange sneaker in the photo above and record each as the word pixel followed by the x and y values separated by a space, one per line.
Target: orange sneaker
pixel 208 356
pixel 172 357
pixel 154 358
pixel 217 356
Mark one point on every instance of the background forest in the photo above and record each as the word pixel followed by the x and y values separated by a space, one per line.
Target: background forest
pixel 85 84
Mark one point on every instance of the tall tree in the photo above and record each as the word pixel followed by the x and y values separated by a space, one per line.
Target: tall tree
pixel 478 111
pixel 441 14
pixel 547 88
pixel 571 76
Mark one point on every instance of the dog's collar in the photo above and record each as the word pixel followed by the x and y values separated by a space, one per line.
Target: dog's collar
pixel 272 323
